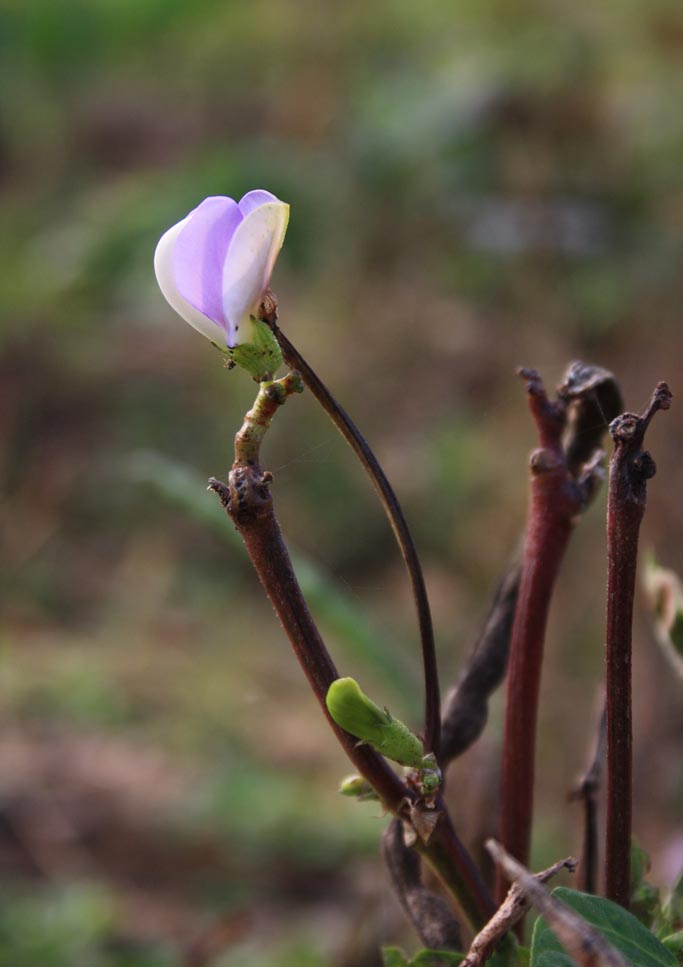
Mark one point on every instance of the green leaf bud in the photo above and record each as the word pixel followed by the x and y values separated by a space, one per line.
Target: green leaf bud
pixel 357 787
pixel 359 715
pixel 430 780
pixel 430 774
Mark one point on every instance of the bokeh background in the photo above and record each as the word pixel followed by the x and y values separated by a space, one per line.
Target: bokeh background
pixel 473 186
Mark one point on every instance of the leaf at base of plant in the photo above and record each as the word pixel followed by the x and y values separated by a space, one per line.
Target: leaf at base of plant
pixel 620 928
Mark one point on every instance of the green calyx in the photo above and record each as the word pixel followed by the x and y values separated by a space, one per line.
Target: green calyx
pixel 430 774
pixel 260 355
pixel 356 713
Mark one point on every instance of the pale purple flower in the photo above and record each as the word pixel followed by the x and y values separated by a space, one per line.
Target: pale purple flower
pixel 214 266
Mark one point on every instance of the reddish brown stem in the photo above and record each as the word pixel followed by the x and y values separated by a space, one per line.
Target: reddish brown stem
pixel 555 502
pixel 630 468
pixel 248 501
pixel 593 399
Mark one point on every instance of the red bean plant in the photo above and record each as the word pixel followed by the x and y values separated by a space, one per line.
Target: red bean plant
pixel 214 268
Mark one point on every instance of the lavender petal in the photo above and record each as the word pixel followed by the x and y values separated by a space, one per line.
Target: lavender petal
pixel 199 254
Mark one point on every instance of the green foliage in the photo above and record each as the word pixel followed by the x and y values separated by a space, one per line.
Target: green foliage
pixel 670 917
pixel 506 954
pixel 299 950
pixel 627 934
pixel 645 899
pixel 523 956
pixel 72 927
pixel 674 908
pixel 262 810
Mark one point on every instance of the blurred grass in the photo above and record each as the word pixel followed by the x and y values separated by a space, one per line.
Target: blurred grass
pixel 473 186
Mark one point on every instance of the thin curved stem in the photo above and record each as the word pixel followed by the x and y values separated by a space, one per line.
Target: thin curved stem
pixel 353 436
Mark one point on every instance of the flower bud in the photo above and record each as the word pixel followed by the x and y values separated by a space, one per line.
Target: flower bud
pixel 357 787
pixel 360 716
pixel 214 268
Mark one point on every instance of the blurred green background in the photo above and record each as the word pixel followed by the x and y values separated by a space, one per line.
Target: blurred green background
pixel 473 186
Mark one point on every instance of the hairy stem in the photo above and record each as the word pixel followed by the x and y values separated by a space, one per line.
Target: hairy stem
pixel 630 468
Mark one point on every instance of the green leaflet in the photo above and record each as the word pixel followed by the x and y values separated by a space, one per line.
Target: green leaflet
pixel 634 941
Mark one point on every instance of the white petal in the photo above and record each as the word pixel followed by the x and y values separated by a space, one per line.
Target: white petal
pixel 249 263
pixel 163 267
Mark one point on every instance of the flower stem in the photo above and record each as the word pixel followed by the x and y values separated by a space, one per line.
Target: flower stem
pixel 271 395
pixel 353 436
pixel 630 468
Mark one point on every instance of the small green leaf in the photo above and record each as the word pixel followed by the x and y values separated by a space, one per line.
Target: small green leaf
pixel 627 934
pixel 360 716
